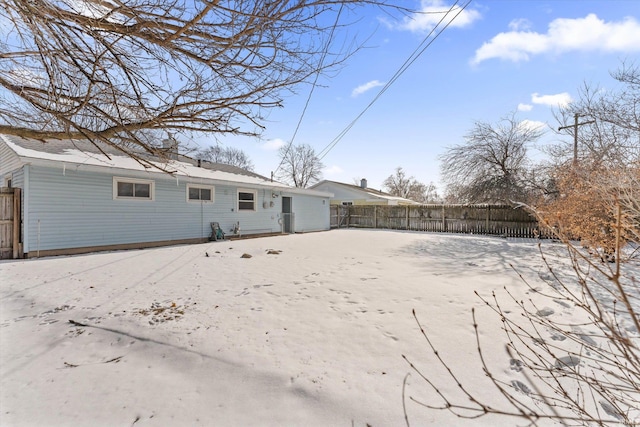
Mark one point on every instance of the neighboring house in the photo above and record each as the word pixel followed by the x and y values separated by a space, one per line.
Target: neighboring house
pixel 348 194
pixel 75 199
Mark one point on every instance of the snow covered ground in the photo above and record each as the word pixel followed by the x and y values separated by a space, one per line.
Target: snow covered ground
pixel 310 330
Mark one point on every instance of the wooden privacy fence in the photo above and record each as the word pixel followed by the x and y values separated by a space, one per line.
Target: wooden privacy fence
pixel 501 220
pixel 10 247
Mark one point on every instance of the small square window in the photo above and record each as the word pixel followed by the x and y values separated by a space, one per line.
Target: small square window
pixel 125 189
pixel 194 193
pixel 141 190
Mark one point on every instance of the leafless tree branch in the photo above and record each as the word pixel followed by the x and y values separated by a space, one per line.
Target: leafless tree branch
pixel 111 70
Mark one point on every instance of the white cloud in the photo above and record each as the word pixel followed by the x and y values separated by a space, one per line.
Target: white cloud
pixel 365 87
pixel 588 34
pixel 332 170
pixel 432 11
pixel 558 100
pixel 533 124
pixel 520 25
pixel 273 144
pixel 98 10
pixel 525 107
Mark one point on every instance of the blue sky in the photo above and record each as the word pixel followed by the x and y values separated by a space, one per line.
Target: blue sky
pixel 497 57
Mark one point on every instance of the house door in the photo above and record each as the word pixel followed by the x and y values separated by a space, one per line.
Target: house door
pixel 287 215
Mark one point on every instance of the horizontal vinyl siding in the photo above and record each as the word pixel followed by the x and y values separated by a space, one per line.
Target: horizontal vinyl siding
pixel 9 160
pixel 310 213
pixel 75 208
pixel 262 220
pixel 17 178
pixel 341 193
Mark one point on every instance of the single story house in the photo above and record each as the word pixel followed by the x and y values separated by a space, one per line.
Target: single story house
pixel 348 194
pixel 76 199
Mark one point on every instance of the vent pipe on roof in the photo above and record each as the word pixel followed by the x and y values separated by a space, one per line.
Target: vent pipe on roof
pixel 363 183
pixel 170 146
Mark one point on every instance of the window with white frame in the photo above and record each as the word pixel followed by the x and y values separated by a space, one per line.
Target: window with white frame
pixel 131 188
pixel 247 200
pixel 200 193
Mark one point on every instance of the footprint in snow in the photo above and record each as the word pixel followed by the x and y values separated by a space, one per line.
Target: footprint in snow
pixel 567 362
pixel 545 312
pixel 245 291
pixel 516 365
pixel 521 387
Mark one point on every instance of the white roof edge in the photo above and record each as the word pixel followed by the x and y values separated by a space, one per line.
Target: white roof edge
pixel 307 191
pixel 156 173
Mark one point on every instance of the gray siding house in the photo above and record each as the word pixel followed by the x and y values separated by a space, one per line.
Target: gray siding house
pixel 348 194
pixel 75 199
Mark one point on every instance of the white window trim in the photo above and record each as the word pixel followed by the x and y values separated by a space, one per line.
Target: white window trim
pixel 152 188
pixel 206 187
pixel 255 200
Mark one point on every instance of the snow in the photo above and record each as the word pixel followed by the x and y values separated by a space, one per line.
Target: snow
pixel 310 330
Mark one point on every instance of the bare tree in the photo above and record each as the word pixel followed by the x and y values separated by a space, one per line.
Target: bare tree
pixel 226 155
pixel 608 123
pixel 300 166
pixel 426 193
pixel 491 165
pixel 107 70
pixel 400 185
pixel 586 189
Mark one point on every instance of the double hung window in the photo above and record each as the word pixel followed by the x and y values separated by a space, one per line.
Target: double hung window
pixel 247 200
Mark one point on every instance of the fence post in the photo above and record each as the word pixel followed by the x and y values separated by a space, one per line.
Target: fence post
pixel 375 216
pixel 486 229
pixel 444 220
pixel 407 219
pixel 348 214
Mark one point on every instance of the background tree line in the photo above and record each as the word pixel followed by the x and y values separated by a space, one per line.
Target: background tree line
pixel 584 177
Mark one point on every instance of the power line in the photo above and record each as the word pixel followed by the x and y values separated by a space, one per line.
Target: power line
pixel 313 86
pixel 407 63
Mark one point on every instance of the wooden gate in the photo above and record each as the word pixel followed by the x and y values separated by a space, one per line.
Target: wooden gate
pixel 339 216
pixel 10 247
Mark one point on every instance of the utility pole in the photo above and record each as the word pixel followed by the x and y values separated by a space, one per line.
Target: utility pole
pixel 575 134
